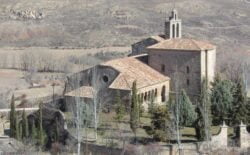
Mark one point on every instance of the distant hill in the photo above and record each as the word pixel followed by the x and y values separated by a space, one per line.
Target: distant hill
pixel 99 23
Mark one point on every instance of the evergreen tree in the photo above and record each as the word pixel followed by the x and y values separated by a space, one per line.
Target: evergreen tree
pixel 151 107
pixel 160 123
pixel 25 129
pixel 222 99
pixel 134 111
pixel 239 108
pixel 187 114
pixel 57 131
pixel 203 122
pixel 120 108
pixel 40 127
pixel 17 130
pixel 13 118
pixel 33 132
pixel 141 108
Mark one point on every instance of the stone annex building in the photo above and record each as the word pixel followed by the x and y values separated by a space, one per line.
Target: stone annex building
pixel 159 65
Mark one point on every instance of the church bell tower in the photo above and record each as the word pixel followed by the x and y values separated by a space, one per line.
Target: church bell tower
pixel 173 26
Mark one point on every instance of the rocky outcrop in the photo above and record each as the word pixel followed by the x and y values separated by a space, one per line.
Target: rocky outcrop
pixel 26 14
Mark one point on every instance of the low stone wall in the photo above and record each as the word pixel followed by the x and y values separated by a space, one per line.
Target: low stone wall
pixel 244 137
pixel 220 140
pixel 150 149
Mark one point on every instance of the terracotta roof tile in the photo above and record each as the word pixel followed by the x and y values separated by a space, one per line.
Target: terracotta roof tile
pixel 183 44
pixel 131 69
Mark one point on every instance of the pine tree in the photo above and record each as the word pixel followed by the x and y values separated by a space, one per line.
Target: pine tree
pixel 120 108
pixel 222 99
pixel 134 111
pixel 25 130
pixel 161 123
pixel 13 118
pixel 187 114
pixel 239 108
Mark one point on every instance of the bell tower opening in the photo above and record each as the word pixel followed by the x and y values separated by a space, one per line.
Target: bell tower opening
pixel 173 26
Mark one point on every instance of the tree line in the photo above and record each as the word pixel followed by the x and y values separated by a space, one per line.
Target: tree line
pixel 225 101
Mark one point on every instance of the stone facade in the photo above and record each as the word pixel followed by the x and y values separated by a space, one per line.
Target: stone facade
pixel 186 61
pixel 117 75
pixel 185 68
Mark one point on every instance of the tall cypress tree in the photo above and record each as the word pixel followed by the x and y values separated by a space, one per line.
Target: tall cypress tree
pixel 40 126
pixel 187 114
pixel 17 130
pixel 134 111
pixel 203 122
pixel 119 107
pixel 25 129
pixel 12 117
pixel 33 132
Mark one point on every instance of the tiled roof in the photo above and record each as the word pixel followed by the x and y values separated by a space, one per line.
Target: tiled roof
pixel 132 70
pixel 183 44
pixel 84 91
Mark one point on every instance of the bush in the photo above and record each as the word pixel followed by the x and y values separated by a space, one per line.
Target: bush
pixel 160 135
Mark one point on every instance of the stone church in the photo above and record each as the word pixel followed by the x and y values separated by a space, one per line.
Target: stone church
pixel 160 65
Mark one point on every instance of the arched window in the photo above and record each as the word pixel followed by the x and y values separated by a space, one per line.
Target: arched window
pixel 149 96
pixel 163 94
pixel 162 68
pixel 155 91
pixel 145 96
pixel 188 70
pixel 177 30
pixel 188 82
pixel 173 31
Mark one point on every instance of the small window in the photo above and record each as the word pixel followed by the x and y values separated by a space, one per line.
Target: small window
pixel 173 31
pixel 155 91
pixel 162 68
pixel 188 70
pixel 177 30
pixel 105 78
pixel 145 96
pixel 163 94
pixel 188 82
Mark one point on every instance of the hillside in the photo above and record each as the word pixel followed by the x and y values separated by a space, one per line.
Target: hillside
pixel 96 23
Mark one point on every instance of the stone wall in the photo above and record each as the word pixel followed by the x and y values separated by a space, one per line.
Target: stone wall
pixel 244 137
pixel 187 68
pixel 183 67
pixel 208 62
pixel 220 140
